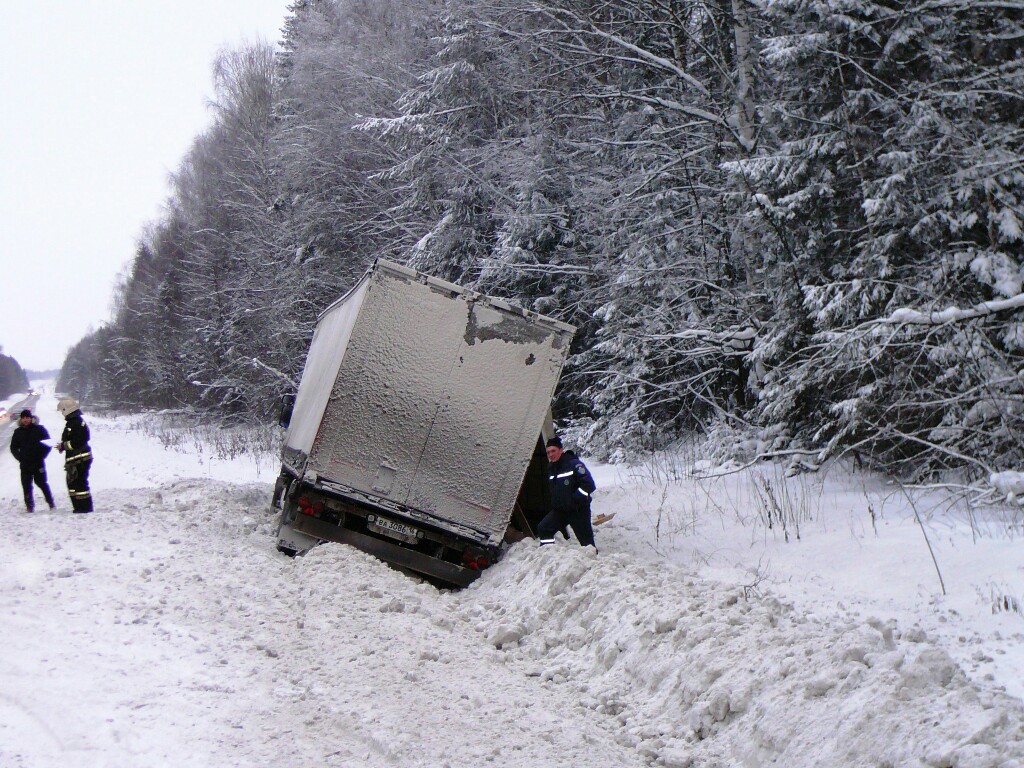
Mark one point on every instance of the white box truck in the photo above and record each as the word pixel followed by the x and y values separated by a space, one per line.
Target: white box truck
pixel 416 434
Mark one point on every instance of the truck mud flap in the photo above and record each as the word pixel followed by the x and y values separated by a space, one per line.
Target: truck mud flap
pixel 389 553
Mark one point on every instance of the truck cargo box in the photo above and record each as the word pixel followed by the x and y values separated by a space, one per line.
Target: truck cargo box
pixel 419 410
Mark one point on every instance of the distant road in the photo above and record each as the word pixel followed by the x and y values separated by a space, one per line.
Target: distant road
pixel 6 425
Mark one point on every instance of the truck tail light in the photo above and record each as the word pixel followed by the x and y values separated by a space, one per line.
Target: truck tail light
pixel 475 561
pixel 305 505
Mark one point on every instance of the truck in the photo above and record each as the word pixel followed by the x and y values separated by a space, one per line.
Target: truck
pixel 417 430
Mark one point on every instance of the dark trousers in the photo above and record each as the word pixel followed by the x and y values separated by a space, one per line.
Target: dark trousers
pixel 556 520
pixel 78 485
pixel 35 475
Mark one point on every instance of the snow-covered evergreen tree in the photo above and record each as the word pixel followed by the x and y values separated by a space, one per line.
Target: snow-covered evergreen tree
pixel 891 186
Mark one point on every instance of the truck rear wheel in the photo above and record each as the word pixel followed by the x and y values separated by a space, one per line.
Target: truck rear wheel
pixel 281 488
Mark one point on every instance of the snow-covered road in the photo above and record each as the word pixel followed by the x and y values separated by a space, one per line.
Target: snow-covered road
pixel 170 632
pixel 165 630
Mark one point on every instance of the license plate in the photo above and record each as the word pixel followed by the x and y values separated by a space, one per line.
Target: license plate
pixel 393 529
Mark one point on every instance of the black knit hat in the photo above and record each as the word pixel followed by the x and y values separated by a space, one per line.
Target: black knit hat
pixel 25 413
pixel 555 442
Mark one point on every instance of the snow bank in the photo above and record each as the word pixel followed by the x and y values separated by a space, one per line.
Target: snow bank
pixel 697 673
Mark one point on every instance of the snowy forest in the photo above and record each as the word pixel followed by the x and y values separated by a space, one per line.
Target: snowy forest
pixel 12 376
pixel 794 226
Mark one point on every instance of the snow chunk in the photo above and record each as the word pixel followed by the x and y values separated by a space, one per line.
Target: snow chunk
pixel 933 666
pixel 506 634
pixel 1007 482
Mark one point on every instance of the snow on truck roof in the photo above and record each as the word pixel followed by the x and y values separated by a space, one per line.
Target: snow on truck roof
pixel 443 286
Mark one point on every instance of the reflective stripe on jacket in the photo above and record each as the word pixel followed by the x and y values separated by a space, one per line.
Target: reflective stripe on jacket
pixel 75 439
pixel 570 483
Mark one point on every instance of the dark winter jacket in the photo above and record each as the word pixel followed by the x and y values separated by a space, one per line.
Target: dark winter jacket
pixel 75 439
pixel 27 445
pixel 571 484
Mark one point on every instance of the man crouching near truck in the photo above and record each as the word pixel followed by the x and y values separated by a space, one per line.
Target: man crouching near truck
pixel 571 488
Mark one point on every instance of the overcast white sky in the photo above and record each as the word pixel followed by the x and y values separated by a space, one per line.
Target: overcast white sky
pixel 100 101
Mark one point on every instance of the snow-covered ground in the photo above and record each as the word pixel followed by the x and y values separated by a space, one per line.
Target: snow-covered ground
pixel 165 629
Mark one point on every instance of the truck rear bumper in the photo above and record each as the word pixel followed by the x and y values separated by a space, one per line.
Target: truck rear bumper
pixel 389 553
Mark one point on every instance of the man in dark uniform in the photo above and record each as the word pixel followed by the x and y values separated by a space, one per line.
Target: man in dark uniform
pixel 74 444
pixel 29 449
pixel 571 488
